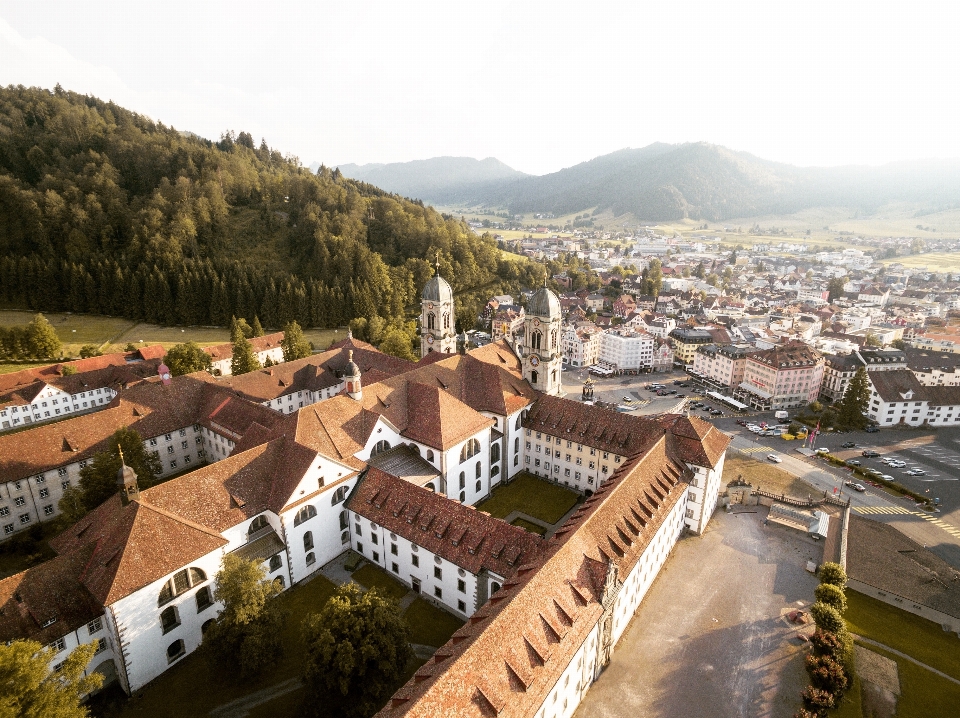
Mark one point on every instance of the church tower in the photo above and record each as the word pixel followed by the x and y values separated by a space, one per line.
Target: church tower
pixel 541 356
pixel 351 378
pixel 437 323
pixel 127 482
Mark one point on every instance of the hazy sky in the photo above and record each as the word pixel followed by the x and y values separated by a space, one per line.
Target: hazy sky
pixel 540 86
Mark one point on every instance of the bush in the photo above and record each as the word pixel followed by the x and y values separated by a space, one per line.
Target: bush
pixel 832 596
pixel 828 618
pixel 833 573
pixel 827 674
pixel 817 700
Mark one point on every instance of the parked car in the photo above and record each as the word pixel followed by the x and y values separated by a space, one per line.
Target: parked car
pixel 821 451
pixel 887 477
pixel 853 462
pixel 897 464
pixel 628 398
pixel 774 458
pixel 741 422
pixel 848 445
pixel 716 412
pixel 855 486
pixel 872 429
pixel 915 472
pixel 869 453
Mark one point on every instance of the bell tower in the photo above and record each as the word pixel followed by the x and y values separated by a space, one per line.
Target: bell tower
pixel 437 321
pixel 541 358
pixel 127 482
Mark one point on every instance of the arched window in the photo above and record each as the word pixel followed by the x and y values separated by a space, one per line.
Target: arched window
pixel 471 448
pixel 553 338
pixel 279 582
pixel 203 599
pixel 431 321
pixel 339 495
pixel 169 619
pixel 463 496
pixel 206 625
pixel 463 480
pixel 345 538
pixel 275 562
pixel 478 487
pixel 308 541
pixel 311 559
pixel 175 650
pixel 307 512
pixel 181 582
pixel 534 377
pixel 380 446
pixel 495 452
pixel 494 471
pixel 430 487
pixel 414 448
pixel 478 470
pixel 257 524
pixel 494 587
pixel 517 424
pixel 430 455
pixel 446 320
pixel 343 520
pixel 516 445
pixel 536 339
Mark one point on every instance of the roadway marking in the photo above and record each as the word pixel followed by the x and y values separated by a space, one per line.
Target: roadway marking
pixel 939 523
pixel 881 510
pixel 756 449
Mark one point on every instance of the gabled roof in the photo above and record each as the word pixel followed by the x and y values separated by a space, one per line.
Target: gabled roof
pixel 220 352
pixel 510 654
pixel 133 546
pixel 898 385
pixel 460 534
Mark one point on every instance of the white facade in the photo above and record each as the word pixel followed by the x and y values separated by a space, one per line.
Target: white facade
pixel 624 350
pixel 580 348
pixel 52 403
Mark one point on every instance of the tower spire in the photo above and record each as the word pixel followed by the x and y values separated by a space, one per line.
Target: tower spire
pixel 438 262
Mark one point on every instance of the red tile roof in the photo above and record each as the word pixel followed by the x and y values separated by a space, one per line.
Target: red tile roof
pixel 462 535
pixel 220 352
pixel 508 657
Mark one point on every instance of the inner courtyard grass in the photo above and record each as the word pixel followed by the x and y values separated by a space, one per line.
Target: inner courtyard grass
pixel 529 526
pixel 372 576
pixel 430 625
pixel 924 640
pixel 530 495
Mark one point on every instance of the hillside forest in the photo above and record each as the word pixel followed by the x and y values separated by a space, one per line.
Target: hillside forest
pixel 106 211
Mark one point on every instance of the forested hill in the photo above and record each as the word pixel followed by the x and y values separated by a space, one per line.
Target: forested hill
pixel 664 182
pixel 106 211
pixel 443 180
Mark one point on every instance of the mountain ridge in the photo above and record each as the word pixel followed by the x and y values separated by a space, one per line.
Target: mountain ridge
pixel 665 182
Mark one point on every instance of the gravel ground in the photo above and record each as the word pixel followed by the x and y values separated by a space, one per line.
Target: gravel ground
pixel 709 638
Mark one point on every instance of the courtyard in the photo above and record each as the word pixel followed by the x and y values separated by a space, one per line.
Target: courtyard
pixel 531 503
pixel 710 639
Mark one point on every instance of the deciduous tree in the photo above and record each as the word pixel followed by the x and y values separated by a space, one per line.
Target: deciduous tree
pixel 187 358
pixel 397 343
pixel 42 340
pixel 247 635
pixel 356 649
pixel 98 479
pixel 244 360
pixel 30 688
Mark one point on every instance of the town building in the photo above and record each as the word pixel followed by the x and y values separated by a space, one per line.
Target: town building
pixel 580 347
pixel 685 343
pixel 898 397
pixel 265 348
pixel 627 350
pixel 839 369
pixel 720 367
pixel 783 377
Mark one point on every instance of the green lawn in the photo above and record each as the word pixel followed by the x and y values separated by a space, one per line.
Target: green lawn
pixel 531 495
pixel 529 526
pixel 10 368
pixel 74 330
pixel 923 694
pixel 19 554
pixel 917 637
pixel 430 625
pixel 372 576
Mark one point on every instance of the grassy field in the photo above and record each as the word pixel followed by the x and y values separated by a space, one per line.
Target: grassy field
pixel 934 261
pixel 536 497
pixel 112 334
pixel 924 640
pixel 10 368
pixel 922 694
pixel 764 474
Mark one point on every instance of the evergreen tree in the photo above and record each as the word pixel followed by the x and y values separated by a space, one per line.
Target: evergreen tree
pixel 293 344
pixel 33 689
pixel 235 333
pixel 187 358
pixel 247 634
pixel 356 652
pixel 257 329
pixel 98 479
pixel 244 360
pixel 42 340
pixel 856 400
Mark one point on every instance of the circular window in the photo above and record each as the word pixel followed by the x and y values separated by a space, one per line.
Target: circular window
pixel 393 537
pixel 373 525
pixel 414 548
pixel 437 560
pixel 462 572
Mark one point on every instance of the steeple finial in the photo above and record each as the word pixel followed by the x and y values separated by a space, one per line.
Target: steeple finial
pixel 120 449
pixel 438 262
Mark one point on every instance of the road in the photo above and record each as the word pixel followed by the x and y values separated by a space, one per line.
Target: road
pixel 930 450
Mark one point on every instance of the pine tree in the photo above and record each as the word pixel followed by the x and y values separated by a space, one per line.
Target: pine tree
pixel 293 344
pixel 855 401
pixel 244 360
pixel 257 328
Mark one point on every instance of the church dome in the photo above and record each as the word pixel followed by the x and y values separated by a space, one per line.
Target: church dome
pixel 437 290
pixel 544 304
pixel 351 370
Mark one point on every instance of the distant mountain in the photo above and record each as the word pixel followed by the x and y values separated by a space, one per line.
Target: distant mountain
pixel 663 182
pixel 442 180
